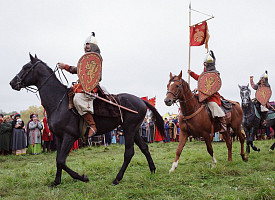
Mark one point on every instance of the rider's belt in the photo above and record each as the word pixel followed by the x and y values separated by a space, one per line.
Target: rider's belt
pixel 77 88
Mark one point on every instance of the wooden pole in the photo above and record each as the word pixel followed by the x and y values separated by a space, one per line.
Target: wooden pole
pixel 189 43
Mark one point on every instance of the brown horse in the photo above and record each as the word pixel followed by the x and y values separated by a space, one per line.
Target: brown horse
pixel 194 119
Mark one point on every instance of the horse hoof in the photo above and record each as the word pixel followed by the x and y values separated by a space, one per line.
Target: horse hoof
pixel 54 184
pixel 114 183
pixel 85 178
pixel 153 171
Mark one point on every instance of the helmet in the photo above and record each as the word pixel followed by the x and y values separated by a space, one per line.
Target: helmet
pixel 91 39
pixel 210 61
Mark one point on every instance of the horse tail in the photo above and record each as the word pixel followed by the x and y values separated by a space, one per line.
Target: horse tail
pixel 158 119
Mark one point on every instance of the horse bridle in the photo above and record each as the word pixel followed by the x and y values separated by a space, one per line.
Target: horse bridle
pixel 35 90
pixel 176 96
pixel 20 79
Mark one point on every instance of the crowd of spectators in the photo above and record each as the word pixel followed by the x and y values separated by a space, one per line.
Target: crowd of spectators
pixel 19 138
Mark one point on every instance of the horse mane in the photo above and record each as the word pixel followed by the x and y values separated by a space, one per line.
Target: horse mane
pixel 52 72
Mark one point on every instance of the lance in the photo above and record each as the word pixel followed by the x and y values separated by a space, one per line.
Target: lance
pixel 112 103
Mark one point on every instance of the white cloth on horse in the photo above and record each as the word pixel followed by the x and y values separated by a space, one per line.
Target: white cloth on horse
pixel 215 109
pixel 263 109
pixel 83 103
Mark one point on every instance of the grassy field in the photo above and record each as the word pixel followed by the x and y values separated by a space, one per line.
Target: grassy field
pixel 29 176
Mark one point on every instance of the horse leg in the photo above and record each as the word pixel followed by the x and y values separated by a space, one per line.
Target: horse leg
pixel 66 146
pixel 241 138
pixel 228 142
pixel 57 180
pixel 145 150
pixel 254 130
pixel 182 141
pixel 128 154
pixel 210 149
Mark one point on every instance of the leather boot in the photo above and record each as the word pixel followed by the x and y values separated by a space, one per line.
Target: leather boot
pixel 88 117
pixel 223 124
pixel 71 97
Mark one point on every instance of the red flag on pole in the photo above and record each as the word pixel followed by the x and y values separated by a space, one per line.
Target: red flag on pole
pixel 198 34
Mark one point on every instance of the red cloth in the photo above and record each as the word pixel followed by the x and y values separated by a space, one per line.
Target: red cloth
pixel 158 136
pixel 75 146
pixel 47 135
pixel 198 34
pixel 152 101
pixel 215 97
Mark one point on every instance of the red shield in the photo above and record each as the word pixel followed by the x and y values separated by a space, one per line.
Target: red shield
pixel 89 70
pixel 209 83
pixel 263 94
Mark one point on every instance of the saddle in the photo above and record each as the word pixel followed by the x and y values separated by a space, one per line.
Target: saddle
pixel 226 106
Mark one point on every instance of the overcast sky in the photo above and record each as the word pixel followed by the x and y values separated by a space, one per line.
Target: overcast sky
pixel 141 42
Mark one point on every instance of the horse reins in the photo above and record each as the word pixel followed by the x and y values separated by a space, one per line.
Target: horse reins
pixel 35 90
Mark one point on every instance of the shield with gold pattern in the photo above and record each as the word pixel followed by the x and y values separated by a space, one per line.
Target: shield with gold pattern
pixel 209 83
pixel 263 94
pixel 89 70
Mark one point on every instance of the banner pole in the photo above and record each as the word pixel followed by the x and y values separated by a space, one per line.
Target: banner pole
pixel 189 43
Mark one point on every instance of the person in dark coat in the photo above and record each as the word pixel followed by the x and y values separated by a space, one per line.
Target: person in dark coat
pixel 19 140
pixel 5 134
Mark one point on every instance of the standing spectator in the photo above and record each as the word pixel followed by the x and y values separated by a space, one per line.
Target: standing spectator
pixel 113 136
pixel 47 136
pixel 1 118
pixel 172 128
pixel 5 134
pixel 19 140
pixel 166 130
pixel 152 130
pixel 27 128
pixel 35 136
pixel 144 130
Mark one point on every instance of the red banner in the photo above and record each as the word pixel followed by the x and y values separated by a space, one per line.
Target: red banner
pixel 198 34
pixel 152 101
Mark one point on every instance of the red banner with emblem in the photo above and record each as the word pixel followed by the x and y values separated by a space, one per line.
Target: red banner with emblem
pixel 198 34
pixel 89 70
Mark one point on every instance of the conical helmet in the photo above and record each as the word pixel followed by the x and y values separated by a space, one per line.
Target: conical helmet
pixel 91 39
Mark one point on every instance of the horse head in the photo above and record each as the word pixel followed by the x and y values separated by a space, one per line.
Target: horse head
pixel 28 74
pixel 245 95
pixel 174 89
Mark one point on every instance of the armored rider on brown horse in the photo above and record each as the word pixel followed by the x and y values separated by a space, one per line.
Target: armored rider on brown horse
pixel 195 119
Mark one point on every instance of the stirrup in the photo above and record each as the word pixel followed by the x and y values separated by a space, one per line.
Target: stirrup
pixel 94 132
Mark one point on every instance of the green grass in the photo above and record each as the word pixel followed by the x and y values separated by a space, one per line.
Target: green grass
pixel 30 176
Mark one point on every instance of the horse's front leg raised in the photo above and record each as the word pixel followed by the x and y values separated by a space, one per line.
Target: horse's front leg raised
pixel 182 141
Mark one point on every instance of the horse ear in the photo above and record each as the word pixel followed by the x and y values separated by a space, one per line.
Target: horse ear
pixel 239 86
pixel 32 58
pixel 180 75
pixel 171 75
pixel 247 85
pixel 35 56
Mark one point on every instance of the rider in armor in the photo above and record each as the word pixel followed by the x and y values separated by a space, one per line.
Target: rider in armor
pixel 213 101
pixel 262 108
pixel 84 102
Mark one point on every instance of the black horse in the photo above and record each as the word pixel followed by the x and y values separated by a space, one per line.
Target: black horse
pixel 65 124
pixel 251 123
